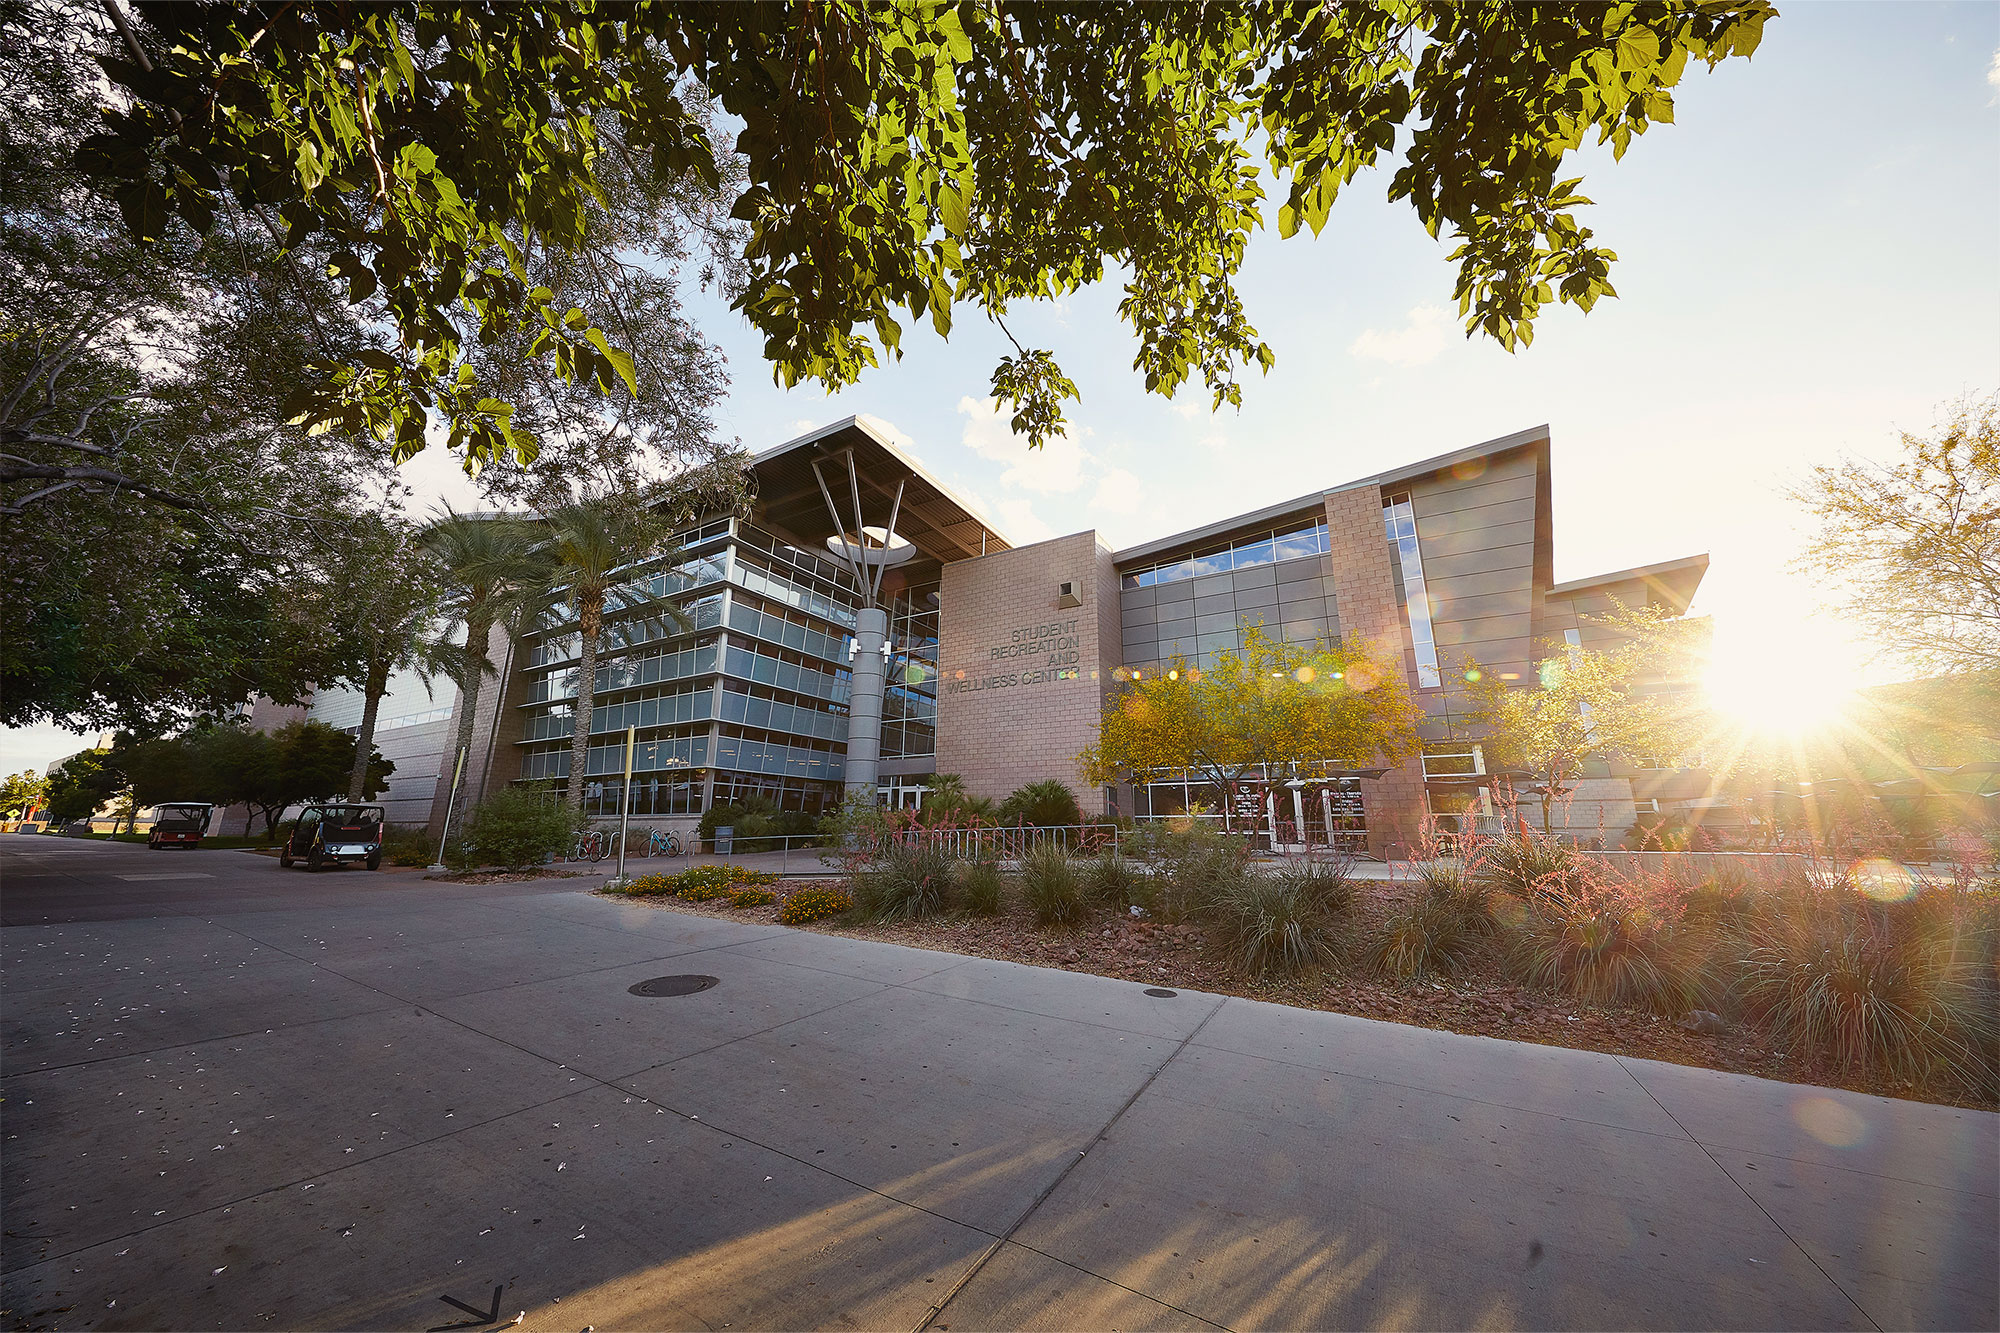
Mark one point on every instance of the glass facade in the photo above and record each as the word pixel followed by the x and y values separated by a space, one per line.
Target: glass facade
pixel 1400 523
pixel 752 700
pixel 1242 553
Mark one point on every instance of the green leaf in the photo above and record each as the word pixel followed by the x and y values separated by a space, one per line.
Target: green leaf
pixel 620 360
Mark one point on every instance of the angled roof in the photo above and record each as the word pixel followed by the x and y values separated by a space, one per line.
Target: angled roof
pixel 1672 581
pixel 938 522
pixel 1272 513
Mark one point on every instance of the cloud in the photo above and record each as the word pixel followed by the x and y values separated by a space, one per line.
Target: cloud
pixel 888 431
pixel 1056 467
pixel 1117 493
pixel 1421 338
pixel 1019 523
pixel 1993 77
pixel 1192 403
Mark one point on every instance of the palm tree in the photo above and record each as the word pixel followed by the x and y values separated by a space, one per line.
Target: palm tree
pixel 492 568
pixel 592 544
pixel 390 587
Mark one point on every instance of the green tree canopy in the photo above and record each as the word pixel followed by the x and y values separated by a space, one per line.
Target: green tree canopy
pixel 21 792
pixel 1588 704
pixel 1914 545
pixel 1289 707
pixel 899 161
pixel 82 786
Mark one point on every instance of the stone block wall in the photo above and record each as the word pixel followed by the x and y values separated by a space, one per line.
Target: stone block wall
pixel 1022 678
pixel 1364 589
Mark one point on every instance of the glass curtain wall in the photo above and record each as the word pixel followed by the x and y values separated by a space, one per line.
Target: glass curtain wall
pixel 752 700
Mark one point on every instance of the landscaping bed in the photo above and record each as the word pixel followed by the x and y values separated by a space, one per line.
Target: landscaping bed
pixel 1482 996
pixel 508 876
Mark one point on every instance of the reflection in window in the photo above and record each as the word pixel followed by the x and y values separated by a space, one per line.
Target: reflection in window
pixel 1245 553
pixel 1400 523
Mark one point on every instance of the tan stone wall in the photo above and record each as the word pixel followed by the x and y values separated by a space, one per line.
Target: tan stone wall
pixel 1364 589
pixel 1007 713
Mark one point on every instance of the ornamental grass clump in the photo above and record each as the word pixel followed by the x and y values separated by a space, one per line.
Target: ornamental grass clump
pixel 981 888
pixel 1527 865
pixel 1273 925
pixel 1905 989
pixel 1442 929
pixel 809 905
pixel 1603 944
pixel 1325 885
pixel 1113 880
pixel 906 881
pixel 1049 882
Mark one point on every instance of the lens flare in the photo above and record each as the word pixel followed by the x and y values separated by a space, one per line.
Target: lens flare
pixel 1173 675
pixel 1832 1123
pixel 1885 881
pixel 1305 675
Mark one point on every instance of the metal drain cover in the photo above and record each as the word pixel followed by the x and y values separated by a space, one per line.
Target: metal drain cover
pixel 659 986
pixel 1160 993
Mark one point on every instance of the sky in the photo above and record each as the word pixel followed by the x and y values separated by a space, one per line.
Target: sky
pixel 1808 263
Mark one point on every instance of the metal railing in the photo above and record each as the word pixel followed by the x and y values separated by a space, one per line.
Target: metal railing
pixel 1011 843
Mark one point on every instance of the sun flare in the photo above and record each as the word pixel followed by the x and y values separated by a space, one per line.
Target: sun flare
pixel 1791 689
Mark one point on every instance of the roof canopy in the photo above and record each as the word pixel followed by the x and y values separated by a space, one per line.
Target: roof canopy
pixel 789 502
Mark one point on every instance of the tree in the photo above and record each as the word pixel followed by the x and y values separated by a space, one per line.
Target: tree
pixel 1915 545
pixel 158 507
pixel 22 793
pixel 594 544
pixel 389 590
pixel 1589 703
pixel 1288 707
pixel 492 569
pixel 82 786
pixel 301 761
pixel 917 158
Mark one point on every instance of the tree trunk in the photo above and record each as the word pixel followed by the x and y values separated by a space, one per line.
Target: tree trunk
pixel 590 621
pixel 375 687
pixel 478 638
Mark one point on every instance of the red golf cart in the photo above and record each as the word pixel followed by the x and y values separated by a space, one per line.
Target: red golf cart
pixel 333 833
pixel 179 824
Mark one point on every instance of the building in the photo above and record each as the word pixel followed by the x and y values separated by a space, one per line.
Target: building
pixel 865 627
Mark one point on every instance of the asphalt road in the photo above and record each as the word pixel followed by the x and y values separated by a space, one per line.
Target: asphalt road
pixel 249 1098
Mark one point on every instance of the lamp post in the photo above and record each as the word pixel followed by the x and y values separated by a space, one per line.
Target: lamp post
pixel 444 838
pixel 625 801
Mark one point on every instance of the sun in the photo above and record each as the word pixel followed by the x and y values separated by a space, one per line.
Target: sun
pixel 1790 687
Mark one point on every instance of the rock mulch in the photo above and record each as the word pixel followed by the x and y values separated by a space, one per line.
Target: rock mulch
pixel 1481 1002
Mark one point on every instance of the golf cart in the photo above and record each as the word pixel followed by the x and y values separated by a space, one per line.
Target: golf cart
pixel 334 832
pixel 179 824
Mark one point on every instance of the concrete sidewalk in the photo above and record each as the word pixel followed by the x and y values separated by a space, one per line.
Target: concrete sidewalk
pixel 372 1111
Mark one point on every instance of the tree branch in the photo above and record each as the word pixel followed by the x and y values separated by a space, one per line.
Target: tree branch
pixel 12 470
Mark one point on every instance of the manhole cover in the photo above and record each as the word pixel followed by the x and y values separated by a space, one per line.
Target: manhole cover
pixel 673 986
pixel 1160 993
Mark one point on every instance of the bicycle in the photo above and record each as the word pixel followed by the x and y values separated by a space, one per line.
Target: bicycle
pixel 591 845
pixel 659 842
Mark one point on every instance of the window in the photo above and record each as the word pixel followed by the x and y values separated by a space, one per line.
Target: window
pixel 1400 524
pixel 1261 548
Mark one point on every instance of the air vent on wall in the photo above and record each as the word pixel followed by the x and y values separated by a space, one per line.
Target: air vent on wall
pixel 1066 594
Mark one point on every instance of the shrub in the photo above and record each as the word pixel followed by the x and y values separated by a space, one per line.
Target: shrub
pixel 814 905
pixel 905 882
pixel 408 845
pixel 1112 879
pixel 517 827
pixel 1430 937
pixel 1045 804
pixel 1906 989
pixel 1195 865
pixel 751 897
pixel 1050 883
pixel 1274 925
pixel 981 885
pixel 1601 949
pixel 699 883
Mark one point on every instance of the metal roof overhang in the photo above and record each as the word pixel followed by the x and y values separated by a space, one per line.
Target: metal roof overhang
pixel 938 523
